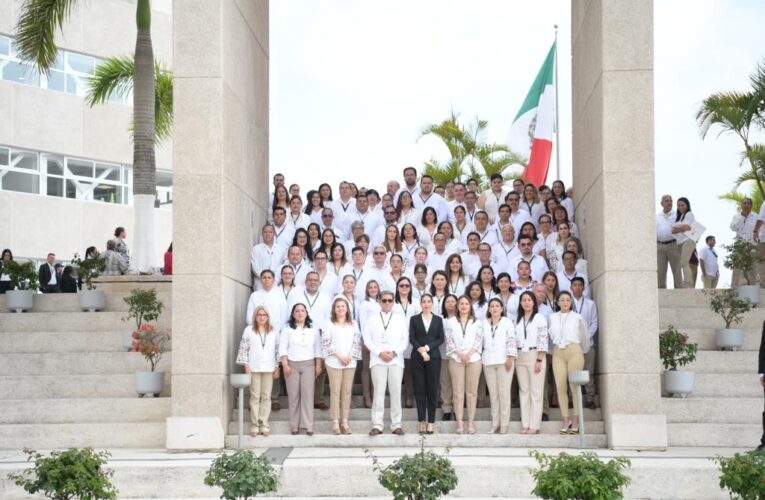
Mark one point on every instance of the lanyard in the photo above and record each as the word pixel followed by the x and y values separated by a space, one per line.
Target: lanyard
pixel 469 215
pixel 525 334
pixel 263 338
pixel 287 292
pixel 454 288
pixel 425 200
pixel 494 329
pixel 410 248
pixel 280 232
pixel 507 252
pixel 295 219
pixel 345 207
pixel 310 304
pixel 357 278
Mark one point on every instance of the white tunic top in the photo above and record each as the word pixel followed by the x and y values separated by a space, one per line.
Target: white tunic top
pixel 569 328
pixel 259 351
pixel 498 341
pixel 300 344
pixel 386 332
pixel 342 340
pixel 532 334
pixel 461 337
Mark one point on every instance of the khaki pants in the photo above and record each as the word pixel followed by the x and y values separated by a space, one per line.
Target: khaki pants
pixel 564 361
pixel 686 250
pixel 445 387
pixel 531 389
pixel 498 381
pixel 761 265
pixel 318 387
pixel 465 386
pixel 300 393
pixel 260 400
pixel 668 253
pixel 340 387
pixel 711 281
pixel 590 364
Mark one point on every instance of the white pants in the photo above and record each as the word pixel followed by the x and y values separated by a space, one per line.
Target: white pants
pixel 390 376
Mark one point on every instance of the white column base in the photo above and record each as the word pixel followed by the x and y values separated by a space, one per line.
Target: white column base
pixel 142 257
pixel 194 434
pixel 637 432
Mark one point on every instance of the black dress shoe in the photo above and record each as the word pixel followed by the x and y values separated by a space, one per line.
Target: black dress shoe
pixel 760 448
pixel 447 416
pixel 545 417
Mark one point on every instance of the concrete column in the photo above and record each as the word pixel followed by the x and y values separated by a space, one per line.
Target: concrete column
pixel 221 61
pixel 613 154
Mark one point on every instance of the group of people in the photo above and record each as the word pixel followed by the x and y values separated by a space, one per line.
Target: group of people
pixel 434 293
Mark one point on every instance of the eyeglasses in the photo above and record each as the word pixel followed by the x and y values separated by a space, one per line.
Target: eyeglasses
pixel 386 301
pixel 326 216
pixel 403 285
pixel 379 253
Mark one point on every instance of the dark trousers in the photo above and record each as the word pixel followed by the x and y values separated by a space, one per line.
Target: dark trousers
pixel 762 440
pixel 5 285
pixel 50 289
pixel 425 376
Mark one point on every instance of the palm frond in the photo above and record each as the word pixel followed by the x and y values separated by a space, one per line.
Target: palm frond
pixel 36 30
pixel 755 194
pixel 732 111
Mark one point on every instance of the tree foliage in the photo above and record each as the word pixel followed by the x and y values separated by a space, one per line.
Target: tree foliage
pixel 582 476
pixel 242 474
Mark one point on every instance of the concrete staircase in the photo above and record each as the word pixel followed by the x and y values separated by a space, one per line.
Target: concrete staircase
pixel 66 381
pixel 725 409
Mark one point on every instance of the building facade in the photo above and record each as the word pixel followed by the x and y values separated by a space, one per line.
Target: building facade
pixel 65 168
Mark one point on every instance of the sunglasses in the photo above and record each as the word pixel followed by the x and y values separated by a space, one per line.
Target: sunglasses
pixel 386 301
pixel 326 216
pixel 379 253
pixel 403 285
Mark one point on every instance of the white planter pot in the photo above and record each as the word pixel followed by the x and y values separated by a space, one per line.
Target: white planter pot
pixel 240 380
pixel 149 383
pixel 680 382
pixel 749 292
pixel 19 300
pixel 127 340
pixel 578 377
pixel 92 300
pixel 729 338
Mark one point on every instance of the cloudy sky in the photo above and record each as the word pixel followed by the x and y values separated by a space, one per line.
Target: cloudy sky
pixel 353 83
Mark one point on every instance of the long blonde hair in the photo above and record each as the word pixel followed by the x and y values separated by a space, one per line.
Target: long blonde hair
pixel 268 326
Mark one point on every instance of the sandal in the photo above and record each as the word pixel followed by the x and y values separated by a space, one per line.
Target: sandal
pixel 459 429
pixel 346 428
pixel 295 432
pixel 336 428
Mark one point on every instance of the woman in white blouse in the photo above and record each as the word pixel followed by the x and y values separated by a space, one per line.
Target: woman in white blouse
pixel 300 355
pixel 405 209
pixel 453 245
pixel 456 280
pixel 420 286
pixel 506 295
pixel 559 191
pixel 428 225
pixel 464 341
pixel 462 227
pixel 531 340
pixel 499 352
pixel 556 245
pixel 287 286
pixel 410 242
pixel 257 352
pixel 530 203
pixel 446 396
pixel 683 222
pixel 341 347
pixel 571 340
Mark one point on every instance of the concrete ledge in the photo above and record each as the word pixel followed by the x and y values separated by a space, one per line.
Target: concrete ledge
pixel 194 433
pixel 161 283
pixel 637 432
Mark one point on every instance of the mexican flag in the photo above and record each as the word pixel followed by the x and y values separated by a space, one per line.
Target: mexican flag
pixel 531 134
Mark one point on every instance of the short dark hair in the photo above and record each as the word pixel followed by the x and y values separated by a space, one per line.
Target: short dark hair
pixel 118 231
pixel 577 279
pixel 277 174
pixel 267 271
pixel 426 176
pixel 496 176
pixel 410 168
pixel 471 180
pixel 710 237
pixel 279 209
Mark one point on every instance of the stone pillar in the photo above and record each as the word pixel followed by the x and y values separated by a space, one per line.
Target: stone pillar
pixel 612 44
pixel 221 61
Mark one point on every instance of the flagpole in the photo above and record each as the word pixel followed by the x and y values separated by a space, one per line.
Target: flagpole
pixel 557 123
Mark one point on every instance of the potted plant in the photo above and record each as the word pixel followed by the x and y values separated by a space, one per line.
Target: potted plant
pixel 743 474
pixel 143 306
pixel 152 344
pixel 66 475
pixel 579 476
pixel 675 350
pixel 423 476
pixel 742 255
pixel 87 269
pixel 731 308
pixel 242 474
pixel 23 285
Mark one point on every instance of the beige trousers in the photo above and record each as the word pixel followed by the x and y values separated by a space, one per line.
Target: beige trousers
pixel 711 281
pixel 498 381
pixel 445 387
pixel 260 400
pixel 300 386
pixel 761 265
pixel 668 253
pixel 564 361
pixel 530 389
pixel 340 387
pixel 465 387
pixel 686 250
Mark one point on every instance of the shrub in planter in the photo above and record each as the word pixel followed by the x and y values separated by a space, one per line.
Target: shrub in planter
pixel 23 275
pixel 742 255
pixel 582 476
pixel 89 269
pixel 144 306
pixel 743 475
pixel 152 344
pixel 242 474
pixel 675 350
pixel 423 476
pixel 69 474
pixel 731 308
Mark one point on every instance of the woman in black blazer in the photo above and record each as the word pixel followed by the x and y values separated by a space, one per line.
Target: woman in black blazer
pixel 426 334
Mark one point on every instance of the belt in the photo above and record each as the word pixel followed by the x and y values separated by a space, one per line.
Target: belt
pixel 665 242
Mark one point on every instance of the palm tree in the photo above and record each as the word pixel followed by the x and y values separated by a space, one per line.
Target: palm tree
pixel 469 153
pixel 36 29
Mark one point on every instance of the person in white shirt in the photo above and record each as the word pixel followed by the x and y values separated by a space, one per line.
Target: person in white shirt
pixel 258 351
pixel 478 301
pixel 530 203
pixel 421 285
pixel 428 225
pixel 457 201
pixel 269 297
pixel 357 230
pixel 470 255
pixel 505 250
pixel 344 209
pixel 410 242
pixel 569 272
pixel 710 270
pixel 437 258
pixel 300 355
pixel 506 295
pixel 536 263
pixel 369 218
pixel 456 280
pixel 406 211
pixel 471 207
pixel 484 259
pixel 410 184
pixel 571 340
pixel 298 264
pixel 283 233
pixel 297 219
pixel 588 310
pixel 390 217
pixel 498 357
pixel 452 244
pixel 316 301
pixel 683 222
pixel 492 198
pixel 743 224
pixel 395 273
pixel 328 222
pixel 368 308
pixel 341 347
pixel 379 269
pixel 462 227
pixel 517 216
pixel 278 180
pixel 531 339
pixel 287 285
pixel 427 198
pixel 392 188
pixel 667 251
pixel 386 336
pixel 560 193
pixel 406 307
pixel 328 282
pixel 485 234
pixel 528 229
pixel 266 255
pixel 556 245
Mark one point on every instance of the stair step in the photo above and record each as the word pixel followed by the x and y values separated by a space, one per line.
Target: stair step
pixel 94 410
pixel 690 317
pixel 41 342
pixel 727 385
pixel 714 434
pixel 78 363
pixel 96 435
pixel 412 440
pixel 705 338
pixel 72 386
pixel 70 302
pixel 690 297
pixel 719 362
pixel 66 322
pixel 724 410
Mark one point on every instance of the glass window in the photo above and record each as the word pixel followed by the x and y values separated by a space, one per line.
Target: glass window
pixel 59 62
pixel 55 186
pixel 74 85
pixel 108 172
pixel 21 182
pixel 79 190
pixel 4 156
pixel 24 159
pixel 21 73
pixel 81 168
pixel 164 179
pixel 57 81
pixel 80 63
pixel 54 164
pixel 5 45
pixel 107 193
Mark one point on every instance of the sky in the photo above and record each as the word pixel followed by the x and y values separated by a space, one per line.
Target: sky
pixel 354 82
